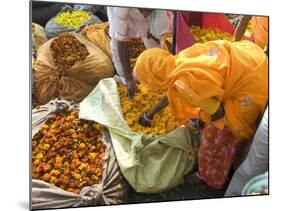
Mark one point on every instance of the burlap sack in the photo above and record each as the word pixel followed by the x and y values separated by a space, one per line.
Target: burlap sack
pixel 111 190
pixel 38 36
pixel 78 81
pixel 97 34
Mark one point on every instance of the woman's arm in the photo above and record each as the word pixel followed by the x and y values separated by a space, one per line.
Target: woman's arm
pixel 145 120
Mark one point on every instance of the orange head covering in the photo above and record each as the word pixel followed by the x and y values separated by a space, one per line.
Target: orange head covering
pixel 153 66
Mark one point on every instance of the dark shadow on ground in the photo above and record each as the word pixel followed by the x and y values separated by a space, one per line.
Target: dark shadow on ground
pixel 185 191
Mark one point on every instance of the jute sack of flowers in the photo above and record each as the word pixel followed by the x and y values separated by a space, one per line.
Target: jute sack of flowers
pixel 111 188
pixel 98 35
pixel 74 83
pixel 150 163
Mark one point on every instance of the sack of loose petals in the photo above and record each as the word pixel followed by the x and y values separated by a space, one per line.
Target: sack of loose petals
pixel 68 152
pixel 98 35
pixel 68 67
pixel 72 19
pixel 72 157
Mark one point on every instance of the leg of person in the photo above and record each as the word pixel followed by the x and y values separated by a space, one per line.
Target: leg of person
pixel 116 61
pixel 256 161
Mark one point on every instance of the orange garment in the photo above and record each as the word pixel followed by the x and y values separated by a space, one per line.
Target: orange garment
pixel 200 78
pixel 260 30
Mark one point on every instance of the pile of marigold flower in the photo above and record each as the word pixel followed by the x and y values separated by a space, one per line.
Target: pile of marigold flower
pixel 68 152
pixel 67 50
pixel 136 47
pixel 72 19
pixel 162 123
pixel 205 35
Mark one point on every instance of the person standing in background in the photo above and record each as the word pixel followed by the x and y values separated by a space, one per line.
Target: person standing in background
pixel 127 23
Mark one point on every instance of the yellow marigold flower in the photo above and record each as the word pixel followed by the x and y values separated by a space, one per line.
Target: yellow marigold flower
pixel 77 176
pixel 53 126
pixel 36 162
pixel 82 166
pixel 82 145
pixel 71 130
pixel 74 136
pixel 58 159
pixel 53 180
pixel 55 172
pixel 46 146
pixel 39 156
pixel 92 155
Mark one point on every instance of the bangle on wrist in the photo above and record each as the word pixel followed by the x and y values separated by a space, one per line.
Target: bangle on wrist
pixel 146 118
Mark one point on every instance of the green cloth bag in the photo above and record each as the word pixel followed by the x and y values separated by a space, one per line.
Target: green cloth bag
pixel 150 164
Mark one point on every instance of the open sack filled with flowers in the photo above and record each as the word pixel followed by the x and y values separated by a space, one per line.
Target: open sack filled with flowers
pixel 73 162
pixel 68 67
pixel 151 159
pixel 69 20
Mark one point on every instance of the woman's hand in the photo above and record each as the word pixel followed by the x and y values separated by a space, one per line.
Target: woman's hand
pixel 145 121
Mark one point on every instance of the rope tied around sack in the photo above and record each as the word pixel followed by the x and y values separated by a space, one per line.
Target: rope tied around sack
pixel 91 195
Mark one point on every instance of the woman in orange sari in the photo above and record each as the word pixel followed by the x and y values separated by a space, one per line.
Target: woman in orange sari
pixel 224 84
